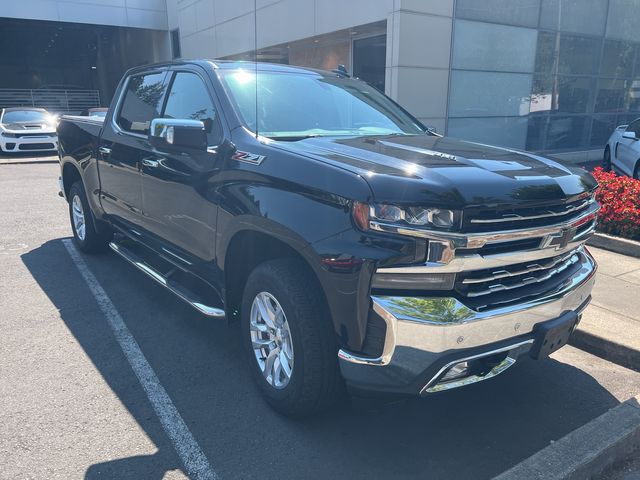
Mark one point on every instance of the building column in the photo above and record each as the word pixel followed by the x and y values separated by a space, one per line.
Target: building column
pixel 418 57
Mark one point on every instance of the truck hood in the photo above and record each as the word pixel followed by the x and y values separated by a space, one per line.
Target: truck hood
pixel 443 171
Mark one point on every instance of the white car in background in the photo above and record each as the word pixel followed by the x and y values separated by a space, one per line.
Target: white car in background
pixel 25 129
pixel 622 153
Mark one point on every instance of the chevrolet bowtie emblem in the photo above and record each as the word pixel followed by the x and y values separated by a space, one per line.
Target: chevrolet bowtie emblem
pixel 559 240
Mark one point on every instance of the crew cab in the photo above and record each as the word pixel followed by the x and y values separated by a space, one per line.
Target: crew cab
pixel 355 246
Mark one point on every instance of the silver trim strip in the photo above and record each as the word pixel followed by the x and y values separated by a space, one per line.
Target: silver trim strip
pixel 175 255
pixel 173 287
pixel 478 240
pixel 529 269
pixel 500 287
pixel 433 386
pixel 389 341
pixel 519 218
pixel 478 262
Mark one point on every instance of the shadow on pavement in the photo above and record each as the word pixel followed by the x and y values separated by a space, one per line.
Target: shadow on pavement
pixel 475 432
pixel 66 289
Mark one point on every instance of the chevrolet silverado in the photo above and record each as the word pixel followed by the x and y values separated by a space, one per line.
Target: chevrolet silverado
pixel 354 245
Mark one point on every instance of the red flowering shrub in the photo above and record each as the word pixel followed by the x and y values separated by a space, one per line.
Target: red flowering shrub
pixel 620 201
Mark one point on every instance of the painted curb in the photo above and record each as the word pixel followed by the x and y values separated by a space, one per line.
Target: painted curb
pixel 615 244
pixel 604 348
pixel 588 450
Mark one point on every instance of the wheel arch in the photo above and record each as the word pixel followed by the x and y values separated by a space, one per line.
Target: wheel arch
pixel 70 175
pixel 247 249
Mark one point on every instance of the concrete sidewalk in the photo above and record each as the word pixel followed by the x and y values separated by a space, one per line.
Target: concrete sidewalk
pixel 610 326
pixel 24 159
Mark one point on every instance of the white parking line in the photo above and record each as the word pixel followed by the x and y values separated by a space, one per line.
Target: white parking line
pixel 194 460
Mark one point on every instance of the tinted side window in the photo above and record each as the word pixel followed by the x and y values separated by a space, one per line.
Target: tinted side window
pixel 142 102
pixel 634 127
pixel 189 99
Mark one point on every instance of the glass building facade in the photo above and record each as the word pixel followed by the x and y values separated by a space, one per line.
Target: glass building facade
pixel 544 75
pixel 551 76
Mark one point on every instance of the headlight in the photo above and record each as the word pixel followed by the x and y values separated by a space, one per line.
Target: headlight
pixel 7 134
pixel 436 218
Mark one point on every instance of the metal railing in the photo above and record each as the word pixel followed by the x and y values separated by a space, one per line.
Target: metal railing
pixel 53 100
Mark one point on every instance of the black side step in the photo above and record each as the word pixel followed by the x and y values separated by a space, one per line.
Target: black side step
pixel 165 280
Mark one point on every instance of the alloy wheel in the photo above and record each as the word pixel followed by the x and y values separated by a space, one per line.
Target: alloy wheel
pixel 78 217
pixel 271 340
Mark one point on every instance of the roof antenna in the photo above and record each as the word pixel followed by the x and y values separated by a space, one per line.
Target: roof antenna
pixel 255 54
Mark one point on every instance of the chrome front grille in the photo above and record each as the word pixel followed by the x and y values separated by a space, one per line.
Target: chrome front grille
pixel 512 259
pixel 550 267
pixel 486 220
pixel 487 288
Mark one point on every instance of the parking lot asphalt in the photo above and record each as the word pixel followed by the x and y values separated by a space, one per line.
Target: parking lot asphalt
pixel 72 406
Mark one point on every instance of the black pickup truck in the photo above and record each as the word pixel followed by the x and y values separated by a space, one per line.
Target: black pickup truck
pixel 355 246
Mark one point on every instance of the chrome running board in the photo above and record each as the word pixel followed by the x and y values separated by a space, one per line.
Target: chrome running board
pixel 165 280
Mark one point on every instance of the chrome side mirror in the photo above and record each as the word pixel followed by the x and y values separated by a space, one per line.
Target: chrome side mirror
pixel 178 134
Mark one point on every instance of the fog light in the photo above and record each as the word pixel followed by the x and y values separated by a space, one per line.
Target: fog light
pixel 459 370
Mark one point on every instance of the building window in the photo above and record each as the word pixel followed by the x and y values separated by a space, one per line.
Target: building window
pixel 511 12
pixel 175 43
pixel 369 59
pixel 576 68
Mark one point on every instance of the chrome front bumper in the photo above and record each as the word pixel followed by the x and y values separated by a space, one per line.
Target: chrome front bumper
pixel 423 335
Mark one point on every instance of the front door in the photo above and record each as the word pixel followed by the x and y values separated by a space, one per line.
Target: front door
pixel 178 199
pixel 124 143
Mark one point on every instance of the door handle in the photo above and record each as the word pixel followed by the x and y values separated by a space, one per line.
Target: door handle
pixel 104 150
pixel 150 163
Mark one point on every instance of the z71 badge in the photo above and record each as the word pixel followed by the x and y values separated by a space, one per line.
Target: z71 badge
pixel 248 157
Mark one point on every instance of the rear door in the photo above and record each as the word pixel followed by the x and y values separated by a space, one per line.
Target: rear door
pixel 177 186
pixel 124 143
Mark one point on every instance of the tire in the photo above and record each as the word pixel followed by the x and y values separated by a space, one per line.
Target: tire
pixel 606 161
pixel 85 235
pixel 314 383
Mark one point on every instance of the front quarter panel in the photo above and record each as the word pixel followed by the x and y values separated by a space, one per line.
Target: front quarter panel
pixel 306 204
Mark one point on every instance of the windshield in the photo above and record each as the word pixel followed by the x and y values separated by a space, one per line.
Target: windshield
pixel 299 105
pixel 16 116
